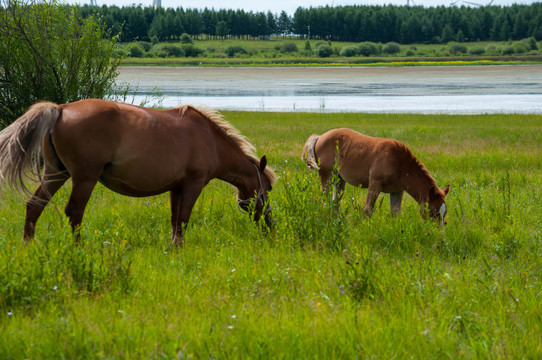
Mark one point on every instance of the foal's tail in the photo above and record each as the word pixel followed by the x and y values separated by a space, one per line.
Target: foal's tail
pixel 21 144
pixel 309 155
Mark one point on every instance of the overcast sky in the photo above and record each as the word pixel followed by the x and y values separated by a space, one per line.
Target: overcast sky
pixel 276 6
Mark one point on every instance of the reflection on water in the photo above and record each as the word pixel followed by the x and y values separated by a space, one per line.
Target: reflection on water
pixel 451 104
pixel 452 90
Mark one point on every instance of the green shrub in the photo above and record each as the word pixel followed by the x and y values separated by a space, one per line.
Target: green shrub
pixel 368 49
pixel 166 50
pixel 233 50
pixel 191 51
pixel 521 47
pixel 457 49
pixel 118 53
pixel 508 50
pixel 135 50
pixel 154 40
pixel 289 47
pixel 493 50
pixel 145 45
pixel 49 52
pixel 477 50
pixel 186 39
pixel 349 51
pixel 308 46
pixel 161 53
pixel 391 48
pixel 532 43
pixel 324 51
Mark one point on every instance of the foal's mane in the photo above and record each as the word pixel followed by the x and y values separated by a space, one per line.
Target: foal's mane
pixel 410 155
pixel 227 129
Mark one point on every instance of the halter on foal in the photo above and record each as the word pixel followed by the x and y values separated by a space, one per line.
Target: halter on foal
pixel 133 151
pixel 381 165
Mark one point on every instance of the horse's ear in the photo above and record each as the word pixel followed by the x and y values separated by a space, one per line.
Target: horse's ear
pixel 446 189
pixel 263 163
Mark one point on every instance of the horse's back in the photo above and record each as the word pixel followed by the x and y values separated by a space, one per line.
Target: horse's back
pixel 137 150
pixel 358 157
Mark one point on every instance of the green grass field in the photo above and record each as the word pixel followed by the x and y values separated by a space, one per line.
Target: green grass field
pixel 322 285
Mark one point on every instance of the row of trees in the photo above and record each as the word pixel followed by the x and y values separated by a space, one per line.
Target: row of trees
pixel 342 23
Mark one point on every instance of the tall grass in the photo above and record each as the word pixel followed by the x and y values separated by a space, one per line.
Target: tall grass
pixel 324 284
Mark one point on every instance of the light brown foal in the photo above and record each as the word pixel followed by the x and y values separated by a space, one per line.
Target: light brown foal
pixel 378 164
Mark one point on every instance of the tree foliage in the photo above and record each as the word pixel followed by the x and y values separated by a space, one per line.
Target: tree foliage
pixel 48 52
pixel 389 23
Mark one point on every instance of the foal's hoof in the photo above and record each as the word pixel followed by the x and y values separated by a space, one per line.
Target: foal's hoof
pixel 177 241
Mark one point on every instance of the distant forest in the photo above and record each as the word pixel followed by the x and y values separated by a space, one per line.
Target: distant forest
pixel 402 24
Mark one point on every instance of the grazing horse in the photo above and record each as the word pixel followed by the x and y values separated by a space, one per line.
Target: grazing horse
pixel 133 151
pixel 381 165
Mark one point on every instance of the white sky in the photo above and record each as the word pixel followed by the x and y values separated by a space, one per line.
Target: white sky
pixel 276 6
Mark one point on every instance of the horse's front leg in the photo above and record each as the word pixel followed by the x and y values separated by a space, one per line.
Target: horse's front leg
pixel 182 202
pixel 75 209
pixel 395 202
pixel 372 194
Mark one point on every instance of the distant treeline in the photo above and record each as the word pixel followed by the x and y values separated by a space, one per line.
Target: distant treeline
pixel 384 24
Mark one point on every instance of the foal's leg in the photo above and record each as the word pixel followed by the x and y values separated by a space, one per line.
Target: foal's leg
pixel 182 202
pixel 325 176
pixel 372 194
pixel 338 189
pixel 395 202
pixel 332 178
pixel 53 179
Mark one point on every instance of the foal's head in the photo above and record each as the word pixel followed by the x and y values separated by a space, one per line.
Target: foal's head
pixel 253 200
pixel 436 204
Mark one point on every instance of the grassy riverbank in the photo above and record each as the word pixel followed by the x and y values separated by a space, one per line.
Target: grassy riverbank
pixel 322 285
pixel 296 52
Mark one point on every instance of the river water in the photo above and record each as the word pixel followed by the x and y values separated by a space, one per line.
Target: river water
pixel 421 89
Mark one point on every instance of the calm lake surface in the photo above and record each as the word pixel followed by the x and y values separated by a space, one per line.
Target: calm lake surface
pixel 437 89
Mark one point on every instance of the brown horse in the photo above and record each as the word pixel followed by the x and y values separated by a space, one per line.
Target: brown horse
pixel 133 151
pixel 381 165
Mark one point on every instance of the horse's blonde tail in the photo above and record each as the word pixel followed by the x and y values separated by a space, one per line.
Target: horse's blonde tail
pixel 21 144
pixel 309 156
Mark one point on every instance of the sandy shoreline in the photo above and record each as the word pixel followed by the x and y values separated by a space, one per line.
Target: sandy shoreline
pixel 498 79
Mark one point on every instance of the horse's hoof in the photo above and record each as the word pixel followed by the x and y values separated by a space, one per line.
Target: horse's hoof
pixel 178 242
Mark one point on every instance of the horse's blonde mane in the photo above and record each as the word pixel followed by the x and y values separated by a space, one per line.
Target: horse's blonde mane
pixel 233 134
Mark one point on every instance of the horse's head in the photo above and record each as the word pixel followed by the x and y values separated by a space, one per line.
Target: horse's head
pixel 253 199
pixel 436 204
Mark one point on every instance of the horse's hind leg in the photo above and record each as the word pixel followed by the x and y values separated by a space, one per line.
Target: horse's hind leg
pixel 395 202
pixel 330 177
pixel 338 185
pixel 338 188
pixel 53 179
